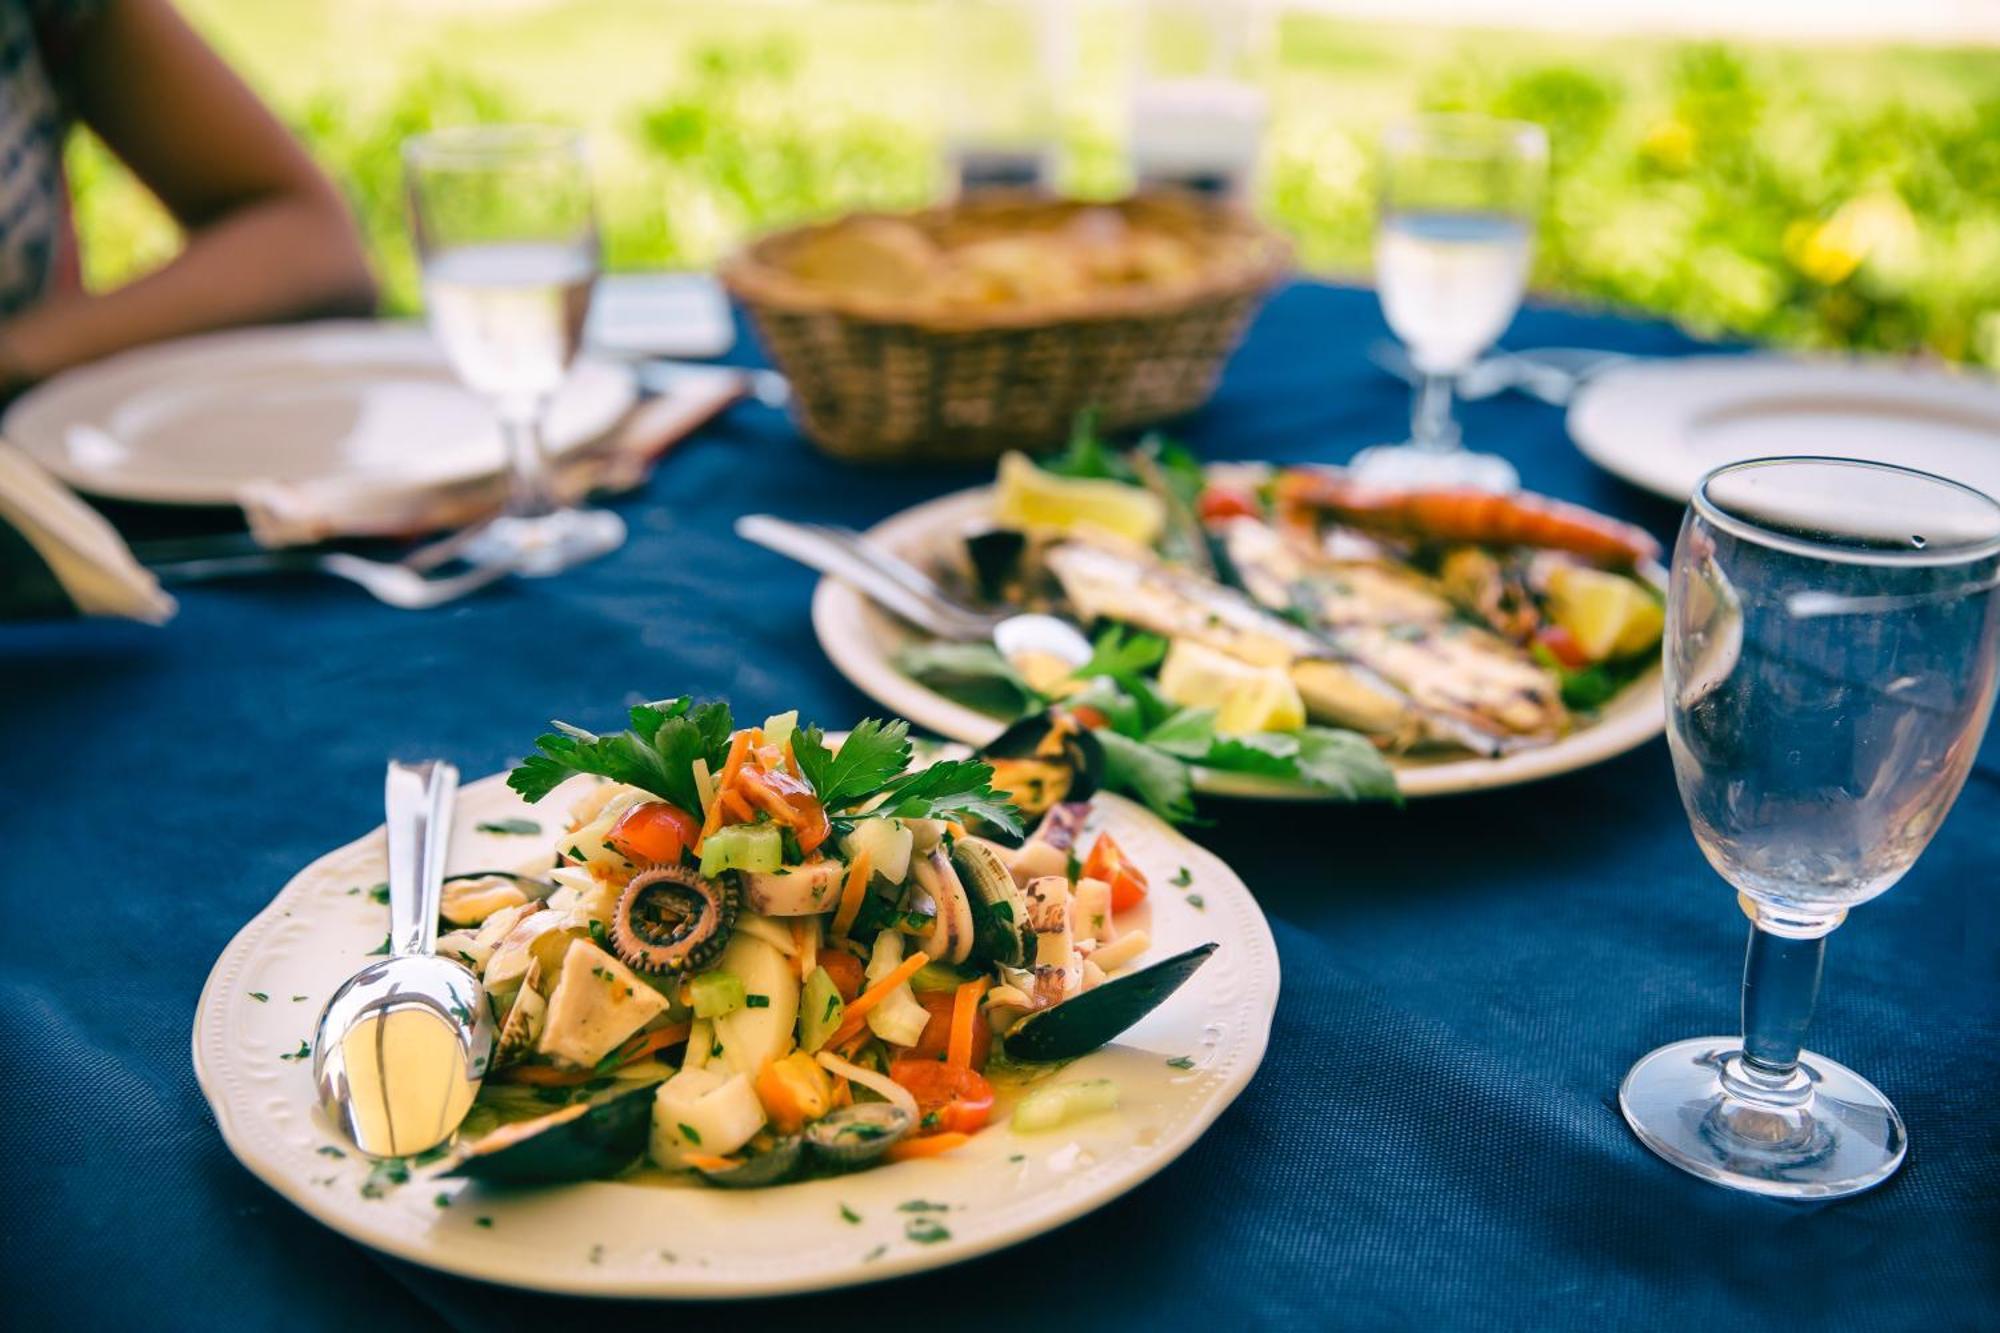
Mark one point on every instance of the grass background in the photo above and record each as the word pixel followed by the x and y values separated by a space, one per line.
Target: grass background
pixel 1813 195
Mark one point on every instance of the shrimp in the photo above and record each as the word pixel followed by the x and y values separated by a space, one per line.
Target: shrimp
pixel 1464 515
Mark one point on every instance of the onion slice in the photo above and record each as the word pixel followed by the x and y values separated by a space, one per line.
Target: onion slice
pixel 893 1092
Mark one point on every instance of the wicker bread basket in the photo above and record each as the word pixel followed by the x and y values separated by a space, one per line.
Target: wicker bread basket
pixel 884 370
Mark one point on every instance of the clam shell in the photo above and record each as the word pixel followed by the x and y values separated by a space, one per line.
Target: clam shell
pixel 857 1136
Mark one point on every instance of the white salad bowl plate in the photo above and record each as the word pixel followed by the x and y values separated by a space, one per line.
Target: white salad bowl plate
pixel 864 641
pixel 1177 1070
pixel 196 420
pixel 1664 424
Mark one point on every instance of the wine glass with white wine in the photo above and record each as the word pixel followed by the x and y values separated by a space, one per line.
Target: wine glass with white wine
pixel 1456 224
pixel 507 233
pixel 1832 633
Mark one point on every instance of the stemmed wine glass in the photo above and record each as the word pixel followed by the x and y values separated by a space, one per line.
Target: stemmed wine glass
pixel 1456 225
pixel 1832 631
pixel 508 237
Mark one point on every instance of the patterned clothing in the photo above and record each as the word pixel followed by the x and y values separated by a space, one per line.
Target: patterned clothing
pixel 37 38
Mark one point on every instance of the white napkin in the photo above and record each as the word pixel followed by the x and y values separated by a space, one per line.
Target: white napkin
pixel 283 513
pixel 85 553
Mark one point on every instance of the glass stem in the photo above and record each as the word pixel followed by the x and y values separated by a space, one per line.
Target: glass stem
pixel 529 495
pixel 1431 424
pixel 1780 987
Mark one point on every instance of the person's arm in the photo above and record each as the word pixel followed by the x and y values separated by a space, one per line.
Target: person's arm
pixel 268 236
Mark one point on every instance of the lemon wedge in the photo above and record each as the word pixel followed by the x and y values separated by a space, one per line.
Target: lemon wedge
pixel 1608 615
pixel 1028 497
pixel 1245 698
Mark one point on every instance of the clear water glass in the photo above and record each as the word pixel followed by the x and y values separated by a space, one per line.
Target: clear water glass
pixel 1832 632
pixel 507 233
pixel 1459 199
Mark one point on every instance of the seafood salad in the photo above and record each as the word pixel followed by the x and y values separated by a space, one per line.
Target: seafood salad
pixel 760 955
pixel 1255 604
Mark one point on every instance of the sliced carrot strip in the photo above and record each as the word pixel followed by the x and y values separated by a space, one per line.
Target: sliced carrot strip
pixel 930 1145
pixel 875 994
pixel 964 1008
pixel 739 750
pixel 852 894
pixel 737 806
pixel 709 1162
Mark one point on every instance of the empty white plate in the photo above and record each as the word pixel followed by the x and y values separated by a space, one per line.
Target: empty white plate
pixel 192 421
pixel 1663 424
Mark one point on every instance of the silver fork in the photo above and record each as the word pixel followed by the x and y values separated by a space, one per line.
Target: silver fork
pixel 393 583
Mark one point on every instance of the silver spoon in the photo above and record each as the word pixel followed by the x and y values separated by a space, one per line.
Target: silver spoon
pixel 910 593
pixel 403 1044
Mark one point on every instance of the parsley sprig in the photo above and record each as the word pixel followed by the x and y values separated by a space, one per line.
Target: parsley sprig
pixel 658 751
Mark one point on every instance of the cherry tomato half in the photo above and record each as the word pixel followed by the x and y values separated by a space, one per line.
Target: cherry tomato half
pixel 1562 646
pixel 948 1098
pixel 937 1033
pixel 653 831
pixel 846 970
pixel 1107 861
pixel 1218 502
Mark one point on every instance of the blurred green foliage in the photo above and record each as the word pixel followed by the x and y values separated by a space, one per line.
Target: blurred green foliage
pixel 1848 201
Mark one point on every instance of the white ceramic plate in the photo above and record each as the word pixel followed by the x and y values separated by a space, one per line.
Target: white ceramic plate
pixel 192 421
pixel 624 1239
pixel 1663 424
pixel 864 641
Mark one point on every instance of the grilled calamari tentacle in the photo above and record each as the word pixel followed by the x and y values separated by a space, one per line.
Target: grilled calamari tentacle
pixel 1464 515
pixel 671 919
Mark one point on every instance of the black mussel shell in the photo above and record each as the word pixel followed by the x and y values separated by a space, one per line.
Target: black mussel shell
pixel 995 559
pixel 857 1136
pixel 774 1164
pixel 1046 759
pixel 584 1141
pixel 1082 1023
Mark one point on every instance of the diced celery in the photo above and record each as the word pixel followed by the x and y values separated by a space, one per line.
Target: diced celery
pixel 748 847
pixel 778 727
pixel 716 993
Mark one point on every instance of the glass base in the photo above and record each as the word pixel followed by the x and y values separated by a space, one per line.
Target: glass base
pixel 544 544
pixel 1410 466
pixel 1824 1133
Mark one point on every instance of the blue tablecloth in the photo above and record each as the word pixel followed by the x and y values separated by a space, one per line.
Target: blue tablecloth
pixel 1432 1140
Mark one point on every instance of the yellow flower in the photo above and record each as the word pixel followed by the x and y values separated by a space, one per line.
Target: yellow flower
pixel 1875 224
pixel 1669 145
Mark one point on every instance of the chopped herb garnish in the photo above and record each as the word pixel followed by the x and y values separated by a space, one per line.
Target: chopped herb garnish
pixel 442 1201
pixel 1182 878
pixel 669 1257
pixel 328 1150
pixel 1074 869
pixel 1018 1157
pixel 379 950
pixel 688 1133
pixel 756 1002
pixel 603 974
pixel 597 1254
pixel 388 1173
pixel 1195 901
pixel 1181 1062
pixel 849 1215
pixel 304 1052
pixel 600 936
pixel 518 827
pixel 874 1254
pixel 259 996
pixel 926 1230
pixel 578 855
pixel 482 1221
pixel 923 1206
pixel 380 893
pixel 297 998
pixel 353 891
pixel 930 1121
